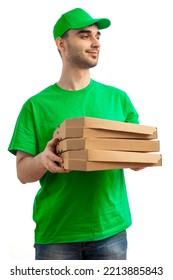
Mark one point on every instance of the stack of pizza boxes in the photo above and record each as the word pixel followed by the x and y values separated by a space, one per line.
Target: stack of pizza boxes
pixel 88 144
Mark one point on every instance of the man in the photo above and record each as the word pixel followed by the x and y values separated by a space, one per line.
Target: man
pixel 78 215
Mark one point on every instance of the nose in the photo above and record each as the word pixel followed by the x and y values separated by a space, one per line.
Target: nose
pixel 95 43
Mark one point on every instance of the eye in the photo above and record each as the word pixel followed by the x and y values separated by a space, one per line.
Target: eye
pixel 85 36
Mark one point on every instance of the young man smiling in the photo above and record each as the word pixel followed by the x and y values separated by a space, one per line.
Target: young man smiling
pixel 78 215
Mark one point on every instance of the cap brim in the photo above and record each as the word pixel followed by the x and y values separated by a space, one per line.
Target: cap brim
pixel 101 23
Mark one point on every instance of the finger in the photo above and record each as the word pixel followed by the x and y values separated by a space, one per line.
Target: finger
pixel 137 168
pixel 50 155
pixel 53 167
pixel 67 170
pixel 52 143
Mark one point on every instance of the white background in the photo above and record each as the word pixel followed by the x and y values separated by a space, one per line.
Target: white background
pixel 136 56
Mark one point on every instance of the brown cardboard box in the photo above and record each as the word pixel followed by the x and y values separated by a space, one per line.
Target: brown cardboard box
pixel 97 144
pixel 98 123
pixel 112 156
pixel 95 127
pixel 82 132
pixel 108 144
pixel 82 165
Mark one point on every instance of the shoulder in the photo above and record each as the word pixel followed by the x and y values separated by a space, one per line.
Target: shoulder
pixel 110 88
pixel 40 96
pixel 44 92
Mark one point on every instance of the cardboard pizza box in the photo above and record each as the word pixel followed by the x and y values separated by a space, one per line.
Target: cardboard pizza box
pixel 64 132
pixel 82 165
pixel 108 144
pixel 112 156
pixel 105 124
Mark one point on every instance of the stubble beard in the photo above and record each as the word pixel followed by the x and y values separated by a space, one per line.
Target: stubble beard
pixel 80 60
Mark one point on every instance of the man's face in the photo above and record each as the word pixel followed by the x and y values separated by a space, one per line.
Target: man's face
pixel 82 47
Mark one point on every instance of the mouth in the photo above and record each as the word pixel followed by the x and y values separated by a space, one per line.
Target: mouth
pixel 93 52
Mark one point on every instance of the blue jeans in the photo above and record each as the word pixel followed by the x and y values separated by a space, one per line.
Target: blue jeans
pixel 112 248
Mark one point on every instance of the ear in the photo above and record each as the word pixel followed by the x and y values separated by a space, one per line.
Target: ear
pixel 59 43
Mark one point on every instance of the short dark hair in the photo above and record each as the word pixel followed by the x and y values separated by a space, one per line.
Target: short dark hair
pixel 65 35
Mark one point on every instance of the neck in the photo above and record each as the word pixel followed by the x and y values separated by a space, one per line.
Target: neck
pixel 74 79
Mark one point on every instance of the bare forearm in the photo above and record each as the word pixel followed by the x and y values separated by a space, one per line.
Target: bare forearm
pixel 30 169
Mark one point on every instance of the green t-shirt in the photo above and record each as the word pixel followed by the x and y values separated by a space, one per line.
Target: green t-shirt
pixel 76 206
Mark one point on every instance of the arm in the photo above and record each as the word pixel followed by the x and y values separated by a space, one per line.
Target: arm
pixel 31 168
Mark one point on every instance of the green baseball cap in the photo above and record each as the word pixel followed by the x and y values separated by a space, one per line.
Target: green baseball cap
pixel 76 19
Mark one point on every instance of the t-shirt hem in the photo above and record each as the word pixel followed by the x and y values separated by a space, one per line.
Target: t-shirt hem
pixel 95 237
